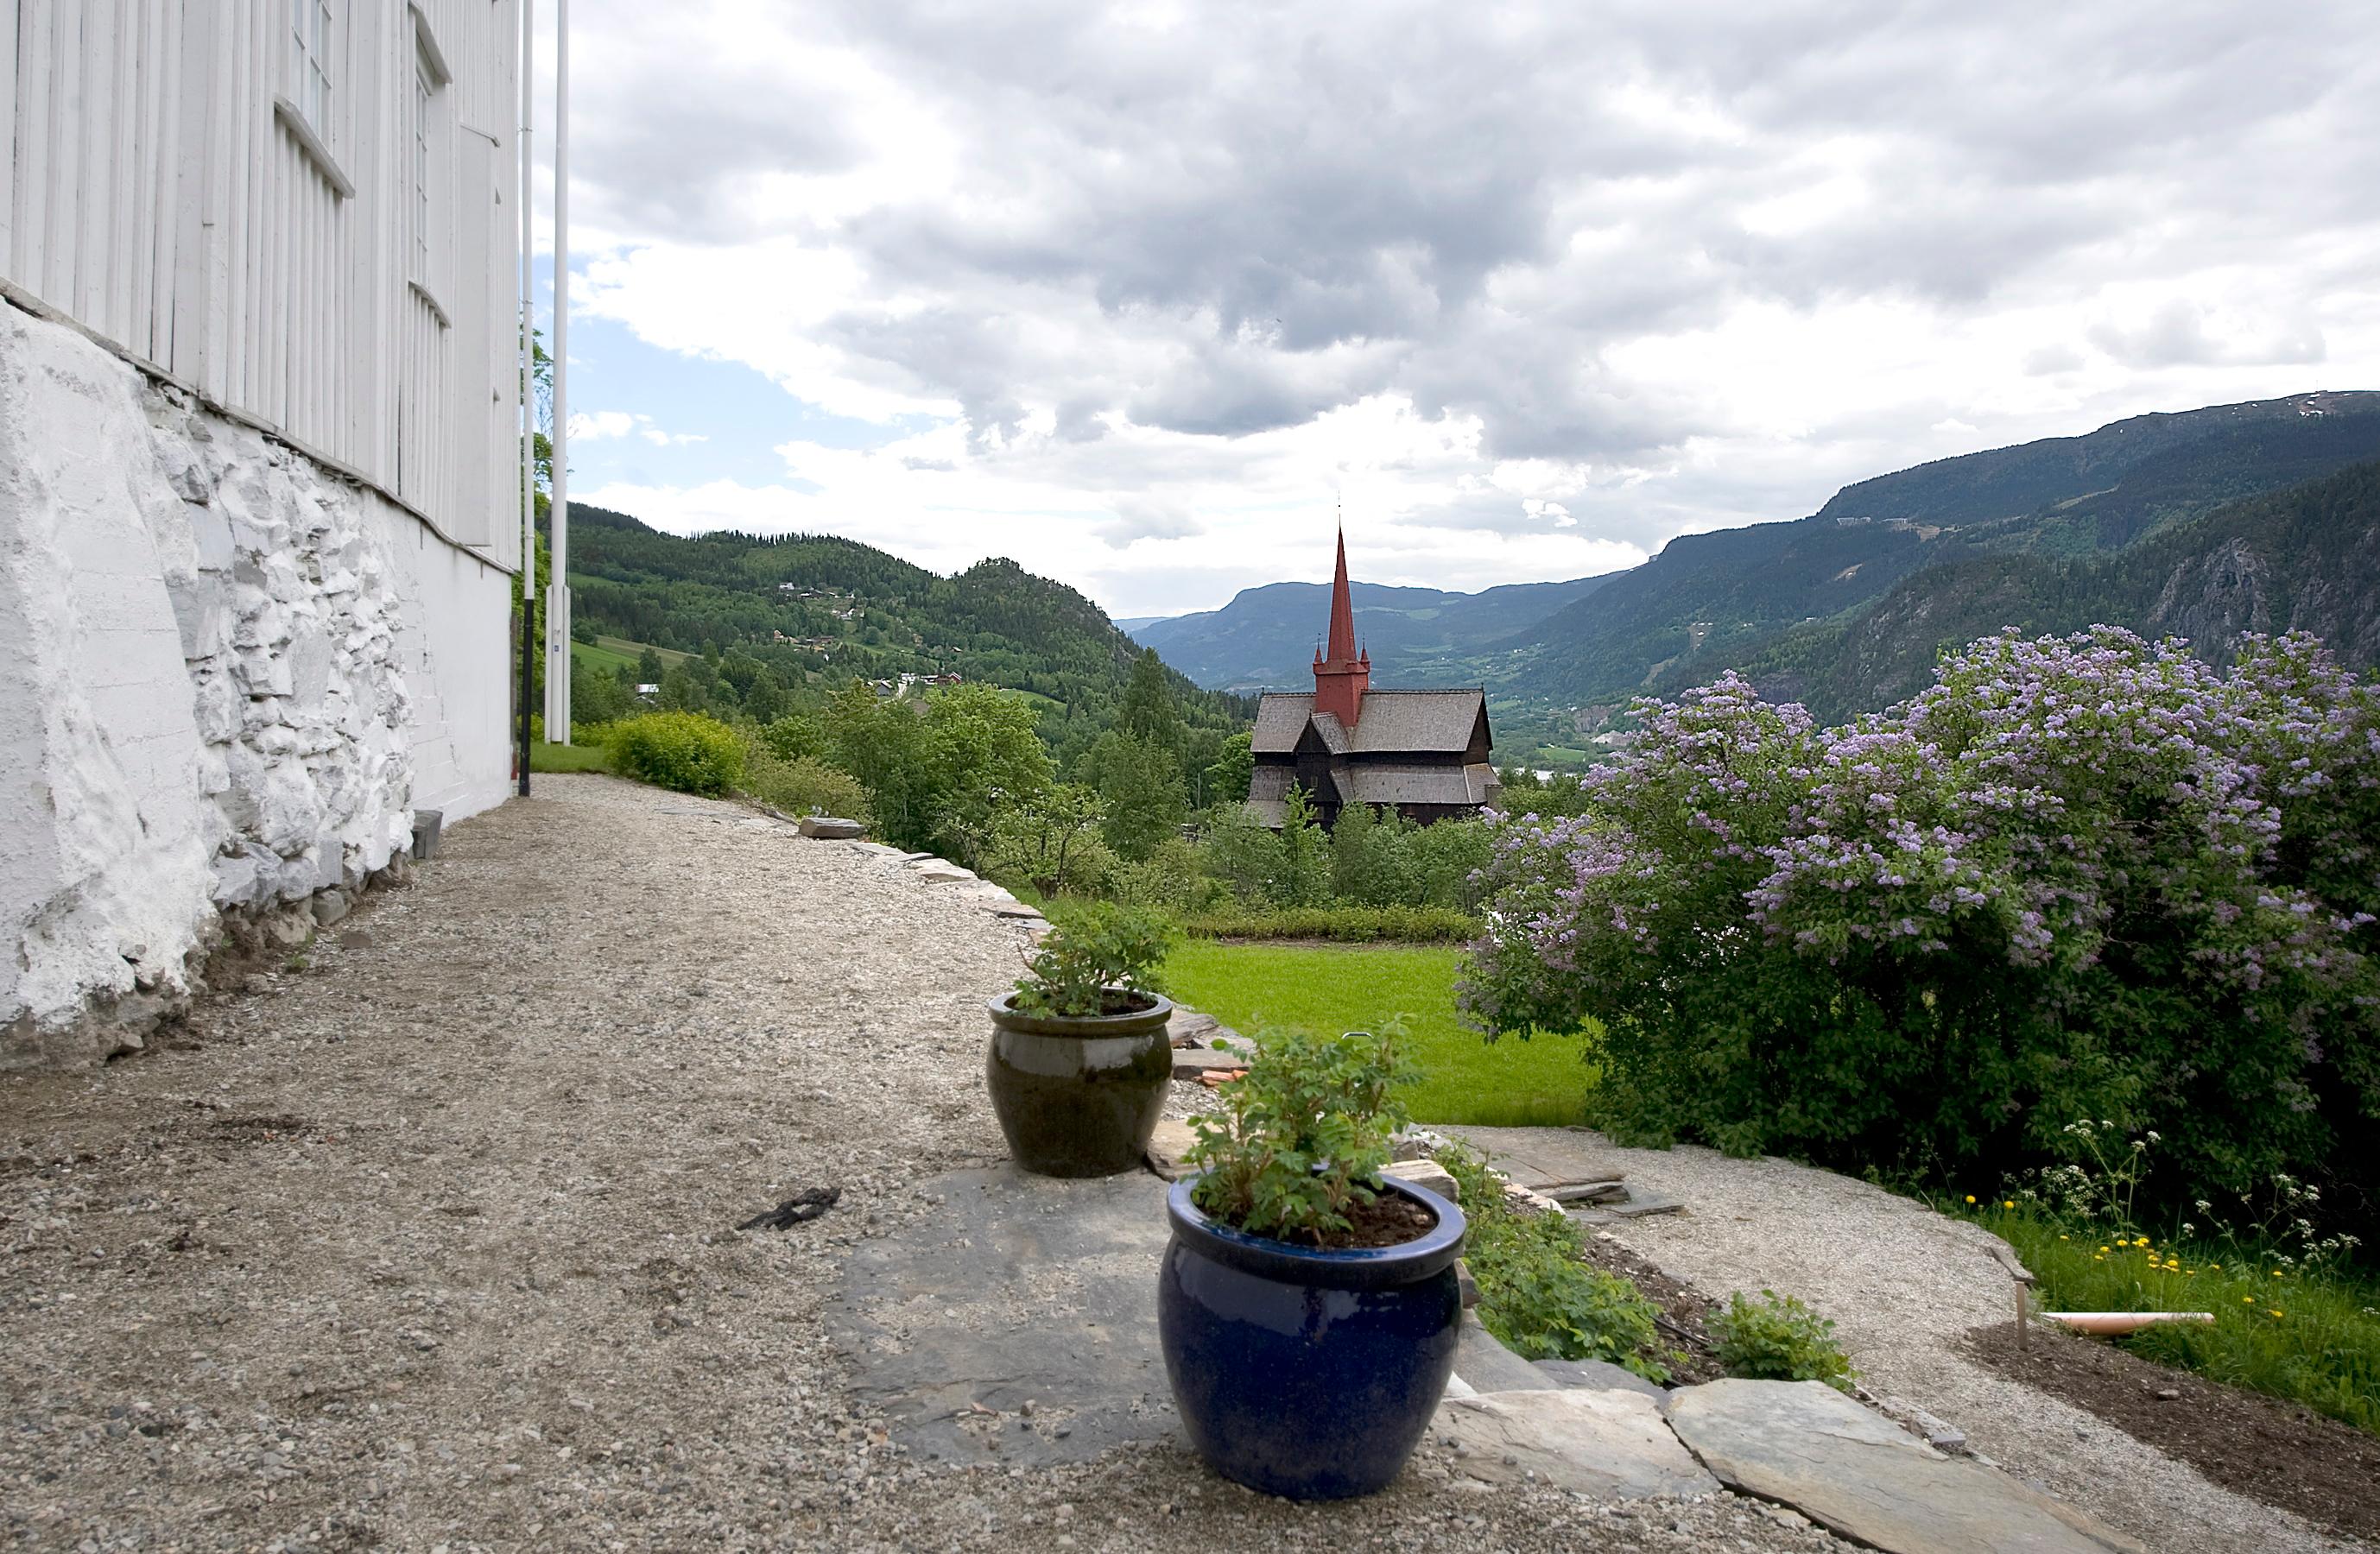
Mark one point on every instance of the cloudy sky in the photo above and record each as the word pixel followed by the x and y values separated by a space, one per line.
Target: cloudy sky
pixel 1136 293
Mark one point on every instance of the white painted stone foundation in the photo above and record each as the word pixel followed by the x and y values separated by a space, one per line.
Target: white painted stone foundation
pixel 227 677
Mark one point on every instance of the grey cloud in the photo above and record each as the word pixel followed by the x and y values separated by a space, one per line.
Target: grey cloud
pixel 2176 335
pixel 1282 208
pixel 1147 518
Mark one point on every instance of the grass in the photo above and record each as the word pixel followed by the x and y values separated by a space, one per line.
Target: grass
pixel 1332 988
pixel 2312 1336
pixel 568 758
pixel 610 654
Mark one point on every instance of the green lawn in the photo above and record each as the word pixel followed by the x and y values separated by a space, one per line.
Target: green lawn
pixel 1463 1078
pixel 568 758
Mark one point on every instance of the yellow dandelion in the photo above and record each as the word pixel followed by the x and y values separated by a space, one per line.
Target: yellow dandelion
pixel 2247 1300
pixel 2276 1314
pixel 2061 1238
pixel 2277 1273
pixel 2103 1249
pixel 1971 1198
pixel 2141 1241
pixel 2009 1203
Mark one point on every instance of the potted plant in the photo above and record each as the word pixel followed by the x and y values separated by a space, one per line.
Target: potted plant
pixel 1080 1058
pixel 1308 1304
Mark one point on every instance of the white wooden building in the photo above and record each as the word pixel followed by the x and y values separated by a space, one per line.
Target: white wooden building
pixel 258 473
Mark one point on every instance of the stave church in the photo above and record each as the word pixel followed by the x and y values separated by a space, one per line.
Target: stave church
pixel 1423 753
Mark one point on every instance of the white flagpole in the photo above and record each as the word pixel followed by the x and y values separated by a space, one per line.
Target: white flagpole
pixel 526 268
pixel 557 600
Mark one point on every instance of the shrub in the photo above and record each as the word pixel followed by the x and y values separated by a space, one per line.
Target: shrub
pixel 1102 959
pixel 1052 842
pixel 1537 1294
pixel 1301 1138
pixel 2077 877
pixel 794 736
pixel 803 786
pixel 686 751
pixel 1344 925
pixel 1168 881
pixel 1778 1340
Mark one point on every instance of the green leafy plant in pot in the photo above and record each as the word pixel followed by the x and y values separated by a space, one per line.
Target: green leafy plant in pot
pixel 1307 1304
pixel 1079 1058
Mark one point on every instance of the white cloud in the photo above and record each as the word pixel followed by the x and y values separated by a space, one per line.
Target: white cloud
pixel 595 426
pixel 1133 292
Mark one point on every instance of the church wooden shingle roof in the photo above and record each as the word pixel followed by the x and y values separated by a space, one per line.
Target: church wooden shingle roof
pixel 1392 721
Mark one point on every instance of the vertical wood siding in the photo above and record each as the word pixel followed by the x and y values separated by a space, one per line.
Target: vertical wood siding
pixel 156 194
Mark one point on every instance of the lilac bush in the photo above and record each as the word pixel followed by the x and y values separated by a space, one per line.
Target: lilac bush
pixel 2086 876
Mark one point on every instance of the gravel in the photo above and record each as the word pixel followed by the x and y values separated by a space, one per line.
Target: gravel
pixel 1903 1285
pixel 423 1239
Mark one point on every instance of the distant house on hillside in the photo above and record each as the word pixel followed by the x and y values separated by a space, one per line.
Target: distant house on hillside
pixel 1423 753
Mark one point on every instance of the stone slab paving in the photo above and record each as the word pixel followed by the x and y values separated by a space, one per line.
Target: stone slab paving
pixel 1612 1445
pixel 1013 1291
pixel 1859 1475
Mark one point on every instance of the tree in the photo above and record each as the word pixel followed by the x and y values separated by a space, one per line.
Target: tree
pixel 1148 710
pixel 1227 780
pixel 1305 854
pixel 1369 858
pixel 986 746
pixel 595 697
pixel 1141 783
pixel 1053 842
pixel 884 743
pixel 682 690
pixel 1242 852
pixel 649 667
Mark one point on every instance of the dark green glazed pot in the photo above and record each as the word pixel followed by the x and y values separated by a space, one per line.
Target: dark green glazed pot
pixel 1078 1096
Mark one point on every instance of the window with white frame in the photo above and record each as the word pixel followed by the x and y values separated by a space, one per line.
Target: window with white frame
pixel 425 92
pixel 312 27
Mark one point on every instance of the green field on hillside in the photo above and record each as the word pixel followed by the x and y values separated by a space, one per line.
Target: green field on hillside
pixel 611 655
pixel 1463 1078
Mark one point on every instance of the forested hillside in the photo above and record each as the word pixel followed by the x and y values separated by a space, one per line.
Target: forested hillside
pixel 815 611
pixel 1965 541
pixel 2305 559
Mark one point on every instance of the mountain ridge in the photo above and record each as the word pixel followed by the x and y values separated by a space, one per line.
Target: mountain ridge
pixel 1724 598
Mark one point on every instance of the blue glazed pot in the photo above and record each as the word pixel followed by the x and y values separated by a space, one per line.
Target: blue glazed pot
pixel 1304 1374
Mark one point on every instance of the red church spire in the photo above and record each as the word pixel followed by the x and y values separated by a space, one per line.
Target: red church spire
pixel 1341 673
pixel 1343 608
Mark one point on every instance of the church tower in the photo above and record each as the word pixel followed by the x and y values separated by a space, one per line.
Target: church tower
pixel 1341 674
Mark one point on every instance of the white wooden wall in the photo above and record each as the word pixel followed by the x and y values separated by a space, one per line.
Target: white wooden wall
pixel 161 194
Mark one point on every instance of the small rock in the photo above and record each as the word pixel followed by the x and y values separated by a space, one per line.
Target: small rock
pixel 829 828
pixel 1601 1375
pixel 329 907
pixel 2166 1394
pixel 1429 1175
pixel 1166 1144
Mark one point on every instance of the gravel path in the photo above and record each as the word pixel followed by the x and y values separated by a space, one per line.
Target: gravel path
pixel 1902 1284
pixel 425 1244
